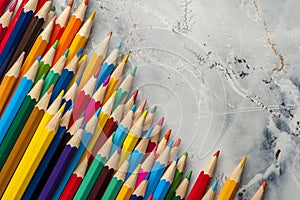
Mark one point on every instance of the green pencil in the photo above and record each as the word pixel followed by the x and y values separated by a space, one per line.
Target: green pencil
pixel 94 171
pixel 182 189
pixel 177 177
pixel 46 62
pixel 117 181
pixel 55 72
pixel 19 122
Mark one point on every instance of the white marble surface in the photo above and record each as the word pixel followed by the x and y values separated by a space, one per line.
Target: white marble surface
pixel 212 68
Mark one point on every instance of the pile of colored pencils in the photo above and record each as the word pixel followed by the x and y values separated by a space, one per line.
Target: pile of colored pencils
pixel 74 131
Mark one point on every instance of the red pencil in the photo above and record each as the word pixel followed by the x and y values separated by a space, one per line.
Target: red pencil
pixel 74 181
pixel 3 5
pixel 6 18
pixel 202 181
pixel 155 135
pixel 130 102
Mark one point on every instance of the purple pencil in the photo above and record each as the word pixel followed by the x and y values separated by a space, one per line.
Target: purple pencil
pixel 61 165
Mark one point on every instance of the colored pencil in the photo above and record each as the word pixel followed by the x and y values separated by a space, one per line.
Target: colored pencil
pixel 104 115
pixel 158 170
pixel 81 37
pixel 138 153
pixel 105 176
pixel 75 181
pixel 12 24
pixel 51 14
pixel 163 143
pixel 16 35
pixel 202 181
pixel 125 87
pixel 60 24
pixel 165 181
pixel 130 102
pixel 42 173
pixel 108 65
pixel 132 137
pixel 94 171
pixel 260 192
pixel 129 185
pixel 155 135
pixel 38 48
pixel 18 123
pixel 146 167
pixel 96 60
pixel 71 29
pixel 84 96
pixel 31 160
pixel 31 33
pixel 17 100
pixel 174 150
pixel 182 189
pixel 3 5
pixel 9 81
pixel 139 111
pixel 150 197
pixel 149 119
pixel 46 62
pixel 23 140
pixel 116 77
pixel 87 135
pixel 178 175
pixel 116 182
pixel 61 165
pixel 210 194
pixel 40 5
pixel 5 19
pixel 81 67
pixel 110 126
pixel 232 183
pixel 66 75
pixel 70 95
pixel 55 72
pixel 96 100
pixel 139 192
pixel 122 130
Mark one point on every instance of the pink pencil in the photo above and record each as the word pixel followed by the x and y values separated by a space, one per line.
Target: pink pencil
pixel 6 17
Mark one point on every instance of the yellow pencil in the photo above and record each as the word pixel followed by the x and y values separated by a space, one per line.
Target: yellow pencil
pixel 95 61
pixel 115 78
pixel 81 37
pixel 31 159
pixel 232 183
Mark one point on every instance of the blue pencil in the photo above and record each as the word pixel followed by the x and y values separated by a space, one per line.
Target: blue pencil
pixel 158 170
pixel 66 76
pixel 16 35
pixel 40 176
pixel 165 182
pixel 108 65
pixel 61 165
pixel 17 99
pixel 122 130
pixel 138 153
pixel 87 135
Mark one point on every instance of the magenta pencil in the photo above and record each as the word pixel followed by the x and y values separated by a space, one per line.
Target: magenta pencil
pixel 6 18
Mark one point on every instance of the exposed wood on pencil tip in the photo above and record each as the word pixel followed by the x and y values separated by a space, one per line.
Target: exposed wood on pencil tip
pixel 13 6
pixel 109 33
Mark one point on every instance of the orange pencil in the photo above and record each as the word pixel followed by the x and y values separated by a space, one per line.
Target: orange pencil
pixel 8 82
pixel 71 30
pixel 60 25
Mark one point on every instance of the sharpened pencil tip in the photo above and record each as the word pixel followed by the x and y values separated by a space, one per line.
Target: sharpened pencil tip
pixel 243 162
pixel 188 176
pixel 161 121
pixel 21 57
pixel 120 148
pixel 170 143
pixel 92 16
pixel 109 33
pixel 98 112
pixel 49 91
pixel 39 58
pixel 264 185
pixel 128 158
pixel 153 109
pixel 186 154
pixel 83 58
pixel 62 108
pixel 143 104
pixel 125 58
pixel 43 77
pixel 168 133
pixel 71 107
pixel 66 52
pixel 61 93
pixel 176 159
pixel 133 108
pixel 124 100
pixel 148 134
pixel 119 45
pixel 83 125
pixel 13 6
pixel 54 46
pixel 150 197
pixel 78 80
pixel 133 71
pixel 177 142
pixel 106 81
pixel 53 8
pixel 214 185
pixel 217 153
pixel 144 113
pixel 79 52
pixel 86 2
pixel 71 3
pixel 135 94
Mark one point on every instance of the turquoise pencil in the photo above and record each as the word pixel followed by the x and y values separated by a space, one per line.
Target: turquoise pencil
pixel 17 99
